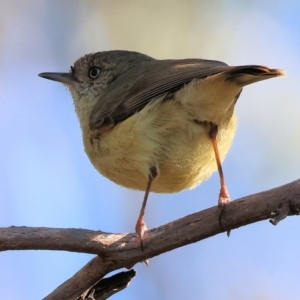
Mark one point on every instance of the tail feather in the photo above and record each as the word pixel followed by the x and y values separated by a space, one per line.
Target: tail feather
pixel 244 75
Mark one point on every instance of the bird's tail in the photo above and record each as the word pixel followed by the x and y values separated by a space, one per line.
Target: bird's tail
pixel 244 75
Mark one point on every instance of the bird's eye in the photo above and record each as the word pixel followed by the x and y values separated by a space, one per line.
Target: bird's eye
pixel 94 72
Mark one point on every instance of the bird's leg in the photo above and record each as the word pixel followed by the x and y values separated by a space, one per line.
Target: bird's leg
pixel 224 197
pixel 140 226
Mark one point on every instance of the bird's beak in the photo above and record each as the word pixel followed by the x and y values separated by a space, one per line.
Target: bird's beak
pixel 65 78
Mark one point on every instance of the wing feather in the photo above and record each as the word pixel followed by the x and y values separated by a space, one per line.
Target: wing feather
pixel 134 89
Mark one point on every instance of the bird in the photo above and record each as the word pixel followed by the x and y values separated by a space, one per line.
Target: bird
pixel 157 125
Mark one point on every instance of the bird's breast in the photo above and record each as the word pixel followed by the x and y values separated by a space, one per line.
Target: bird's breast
pixel 165 135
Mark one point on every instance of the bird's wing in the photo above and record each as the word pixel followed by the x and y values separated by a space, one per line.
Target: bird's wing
pixel 134 89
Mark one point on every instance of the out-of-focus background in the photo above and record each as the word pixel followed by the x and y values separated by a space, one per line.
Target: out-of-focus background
pixel 47 180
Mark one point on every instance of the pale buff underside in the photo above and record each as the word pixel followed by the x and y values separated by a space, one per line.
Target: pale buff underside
pixel 165 135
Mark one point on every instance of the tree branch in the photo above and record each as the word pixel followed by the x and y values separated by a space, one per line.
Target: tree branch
pixel 123 250
pixel 106 287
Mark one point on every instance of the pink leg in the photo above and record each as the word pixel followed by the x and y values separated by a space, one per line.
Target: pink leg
pixel 224 197
pixel 140 226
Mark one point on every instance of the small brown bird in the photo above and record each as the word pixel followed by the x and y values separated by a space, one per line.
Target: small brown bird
pixel 157 125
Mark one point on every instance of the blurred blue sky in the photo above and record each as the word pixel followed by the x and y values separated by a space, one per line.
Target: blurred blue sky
pixel 47 180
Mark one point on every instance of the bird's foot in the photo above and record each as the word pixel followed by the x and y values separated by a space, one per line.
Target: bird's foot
pixel 140 229
pixel 224 199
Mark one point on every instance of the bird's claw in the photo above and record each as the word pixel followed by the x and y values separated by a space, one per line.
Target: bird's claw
pixel 224 199
pixel 140 229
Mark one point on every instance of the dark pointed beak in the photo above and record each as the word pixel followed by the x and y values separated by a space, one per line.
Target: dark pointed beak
pixel 65 78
